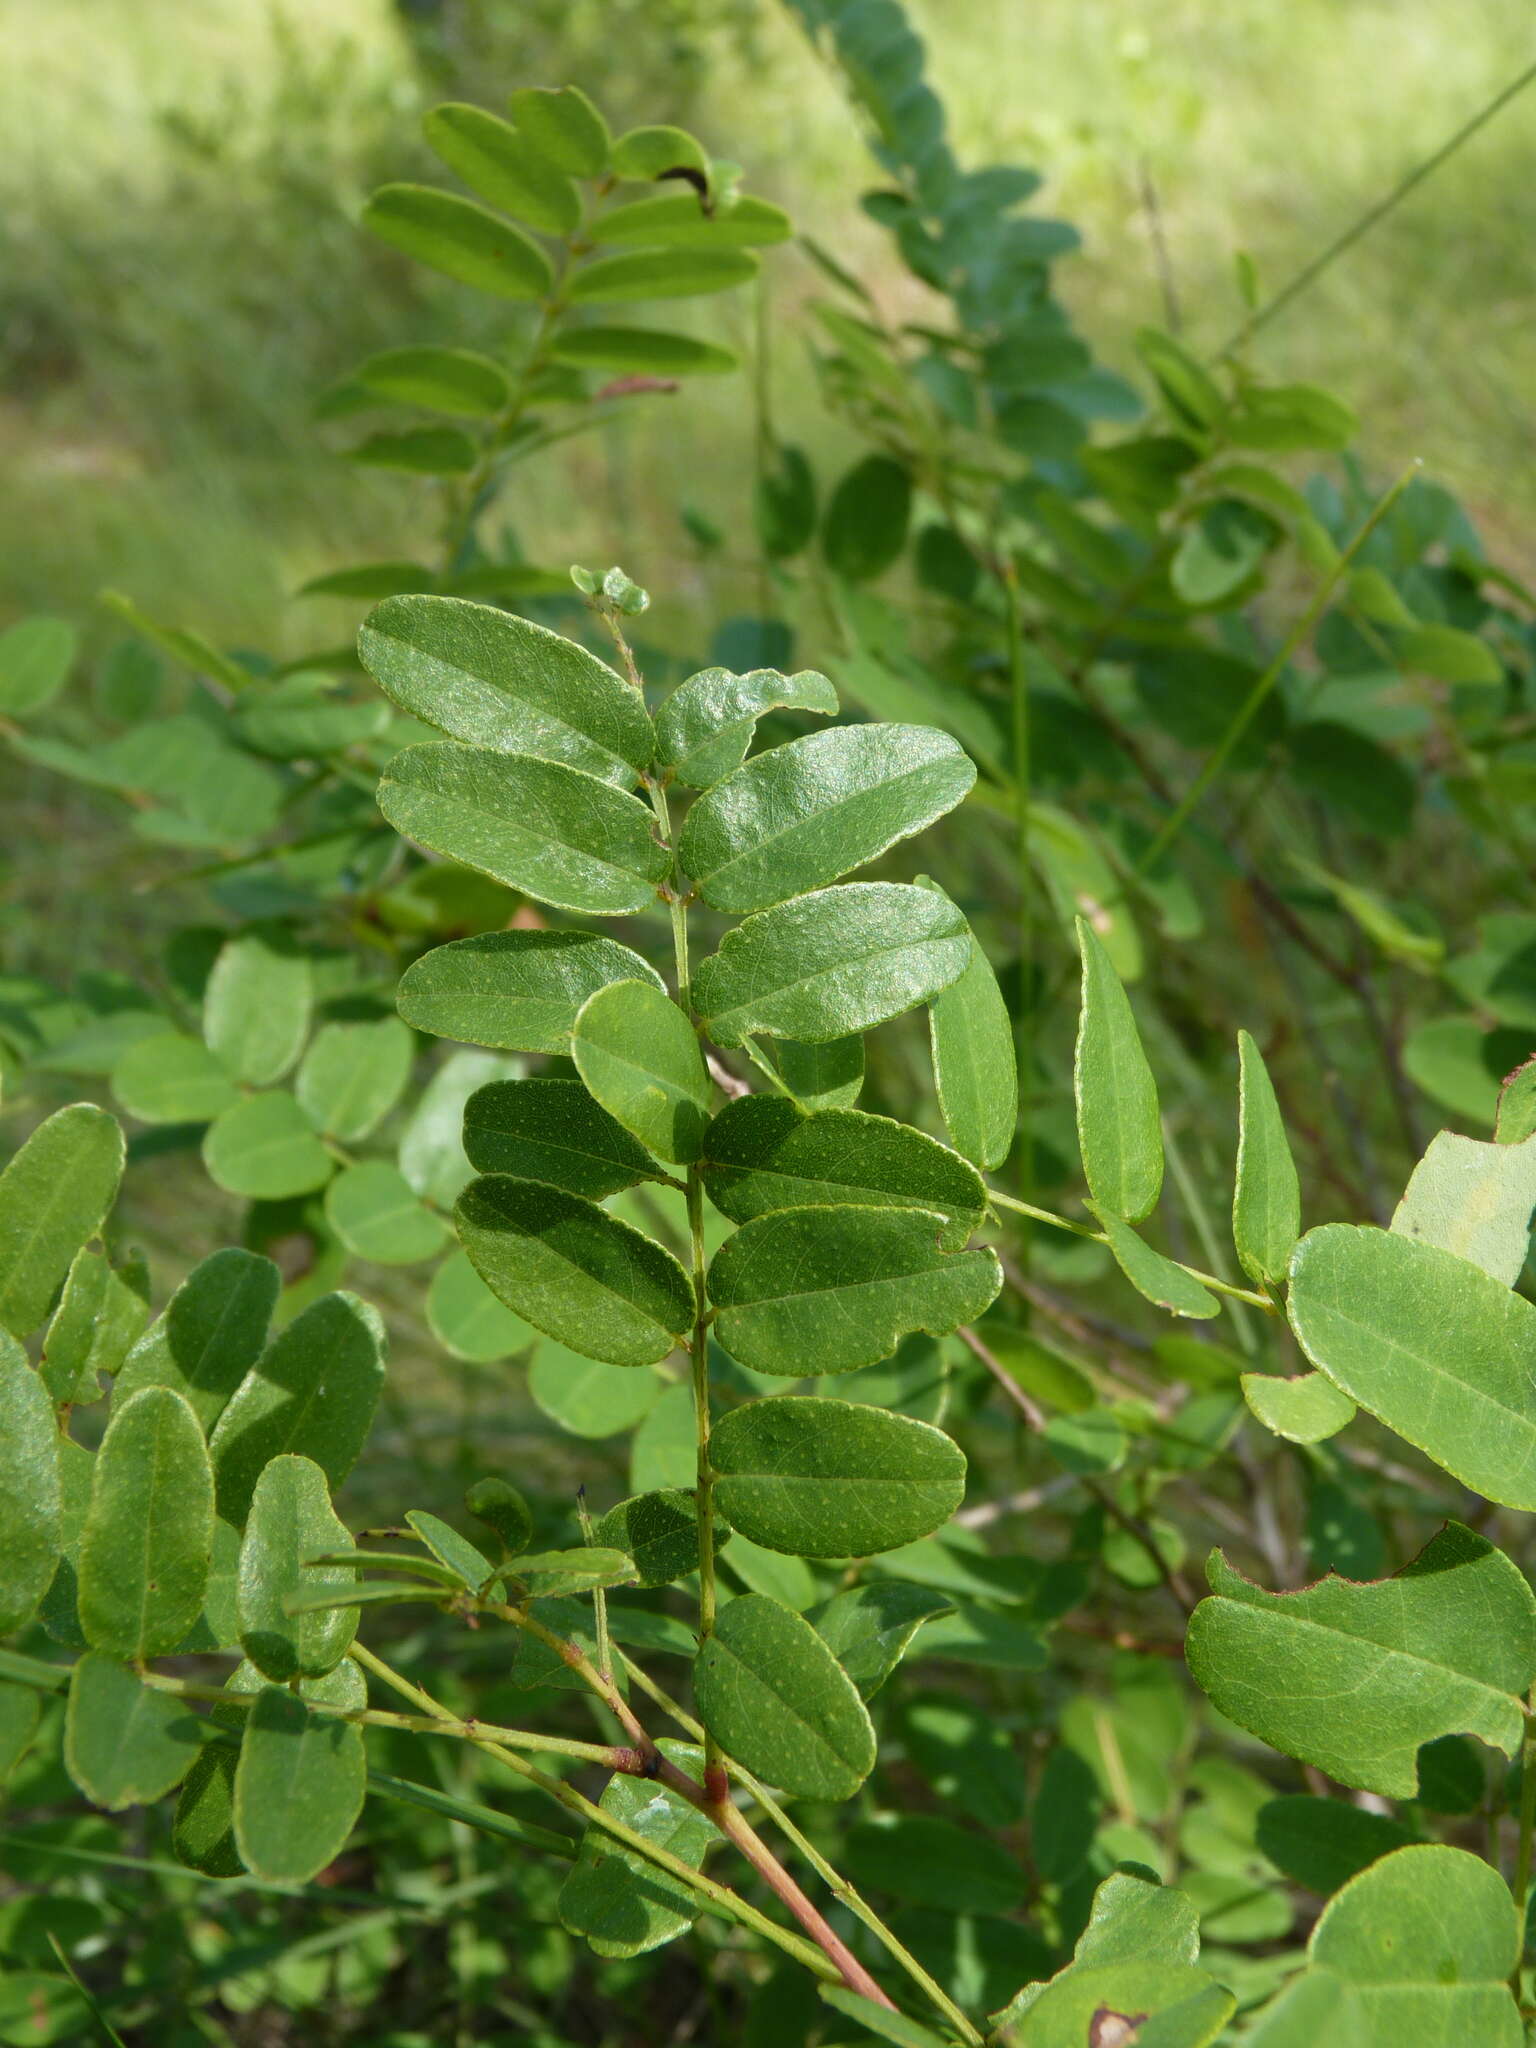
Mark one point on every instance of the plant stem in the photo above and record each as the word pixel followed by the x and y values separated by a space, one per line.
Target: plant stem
pixel 1023 1023
pixel 1211 1280
pixel 586 1671
pixel 1523 1853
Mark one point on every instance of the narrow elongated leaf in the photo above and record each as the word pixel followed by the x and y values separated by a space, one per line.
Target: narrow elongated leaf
pixel 556 833
pixel 641 352
pixel 267 1149
pixel 212 1332
pixel 1421 1946
pixel 775 1698
pixel 256 1007
pixel 1266 1207
pixel 829 1076
pixel 125 1744
pixel 562 123
pixel 661 274
pixel 1356 1678
pixel 575 1272
pixel 313 1392
pixel 419 451
pixel 377 1214
pixel 622 1904
pixel 704 728
pixel 502 166
pixel 1118 1131
pixel 148 1540
pixel 1475 1200
pixel 299 1787
pixel 640 1057
pixel 808 812
pixel 483 676
pixel 1434 1347
pixel 974 1069
pixel 53 1196
pixel 554 1132
pixel 879 2019
pixel 1153 1275
pixel 835 962
pixel 677 220
pixel 1306 1410
pixel 516 991
pixel 869 1629
pixel 290 1522
pixel 762 1154
pixel 31 1501
pixel 102 1309
pixel 551 1573
pixel 452 380
pixel 171 1079
pixel 472 1568
pixel 832 1479
pixel 353 1075
pixel 813 1290
pixel 465 241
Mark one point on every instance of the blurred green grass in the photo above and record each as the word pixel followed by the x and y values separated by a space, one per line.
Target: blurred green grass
pixel 179 274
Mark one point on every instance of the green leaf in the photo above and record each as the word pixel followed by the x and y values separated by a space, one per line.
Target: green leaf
pixel 36 656
pixel 470 1565
pixel 1151 1274
pixel 587 1397
pixel 313 1392
pixel 622 1904
pixel 169 1079
pixel 299 1787
pixel 1356 1678
pixel 31 1504
pixel 639 1056
pixel 553 1131
pixel 353 1075
pixel 1078 875
pixel 1435 1348
pixel 931 1862
pixel 974 1070
pixel 482 676
pixel 879 2019
pixel 805 813
pixel 418 451
pixel 657 152
pixel 820 1478
pixel 761 1154
pixel 1306 1410
pixel 576 1273
pixel 290 1522
pixel 1449 655
pixel 869 1629
pixel 677 220
pixel 775 1698
pixel 558 834
pixel 1323 1843
pixel 660 1531
pixel 965 1757
pixel 266 1148
pixel 203 1831
pixel 125 1744
pixel 371 579
pixel 1475 1200
pixel 211 1333
pixel 54 1195
pixel 467 1319
pixel 660 274
pixel 148 1539
pixel 835 962
pixel 1266 1208
pixel 102 1309
pixel 704 728
pixel 516 991
pixel 562 123
pixel 865 527
pixel 256 1006
pixel 451 380
pixel 829 1076
pixel 641 352
pixel 500 165
pixel 559 1572
pixel 814 1290
pixel 1118 1131
pixel 465 241
pixel 503 1509
pixel 1516 1119
pixel 377 1215
pixel 1419 1947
